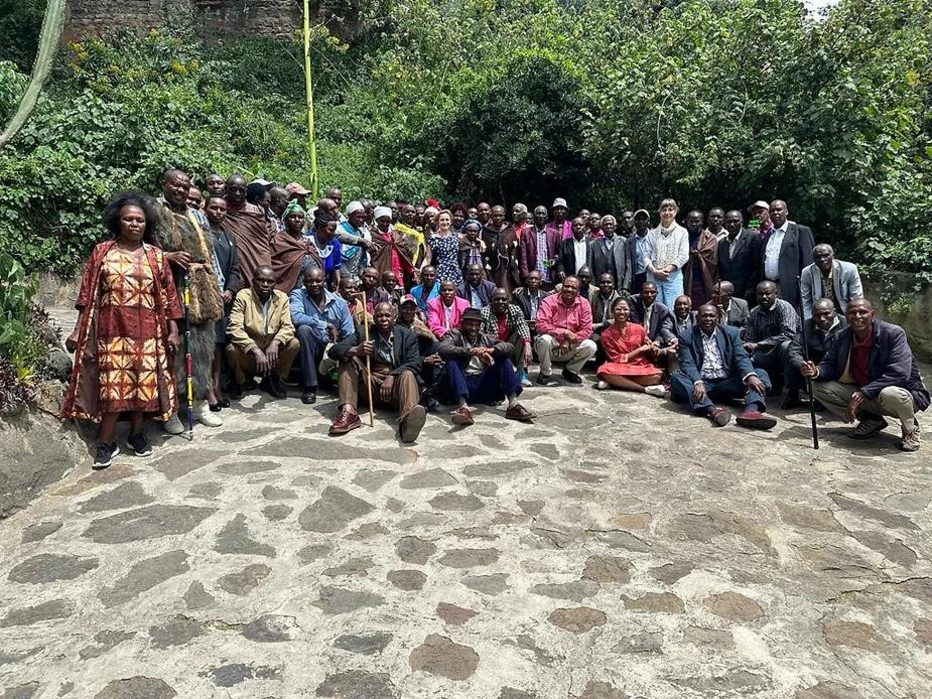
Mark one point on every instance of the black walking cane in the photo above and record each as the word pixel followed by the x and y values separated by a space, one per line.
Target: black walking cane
pixel 802 325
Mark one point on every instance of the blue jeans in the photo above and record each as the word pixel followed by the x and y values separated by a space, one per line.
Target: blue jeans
pixel 718 390
pixel 668 290
pixel 489 387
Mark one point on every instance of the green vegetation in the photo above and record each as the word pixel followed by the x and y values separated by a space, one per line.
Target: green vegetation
pixel 612 104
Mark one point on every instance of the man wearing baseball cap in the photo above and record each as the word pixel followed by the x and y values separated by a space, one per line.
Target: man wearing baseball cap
pixel 479 369
pixel 297 191
pixel 558 220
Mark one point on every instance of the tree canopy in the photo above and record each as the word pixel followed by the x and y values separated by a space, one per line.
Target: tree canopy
pixel 612 104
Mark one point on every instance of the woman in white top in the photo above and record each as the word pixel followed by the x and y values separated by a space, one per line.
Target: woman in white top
pixel 666 250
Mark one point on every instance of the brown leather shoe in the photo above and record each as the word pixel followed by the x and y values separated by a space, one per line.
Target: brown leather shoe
pixel 719 416
pixel 347 422
pixel 520 413
pixel 756 420
pixel 412 424
pixel 462 416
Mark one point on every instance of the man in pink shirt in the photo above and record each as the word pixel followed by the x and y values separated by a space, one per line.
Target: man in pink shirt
pixel 564 326
pixel 444 311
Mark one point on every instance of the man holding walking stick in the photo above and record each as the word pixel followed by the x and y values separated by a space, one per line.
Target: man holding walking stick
pixel 392 351
pixel 870 372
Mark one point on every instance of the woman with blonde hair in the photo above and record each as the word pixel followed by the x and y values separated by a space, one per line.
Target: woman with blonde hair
pixel 666 250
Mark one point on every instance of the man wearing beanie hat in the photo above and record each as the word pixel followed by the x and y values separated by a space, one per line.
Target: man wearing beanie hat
pixel 479 370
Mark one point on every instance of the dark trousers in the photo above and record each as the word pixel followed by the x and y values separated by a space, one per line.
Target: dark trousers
pixel 489 387
pixel 312 351
pixel 639 280
pixel 795 382
pixel 430 373
pixel 774 363
pixel 717 391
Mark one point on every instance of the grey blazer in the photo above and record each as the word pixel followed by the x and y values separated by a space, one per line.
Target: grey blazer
pixel 614 261
pixel 845 279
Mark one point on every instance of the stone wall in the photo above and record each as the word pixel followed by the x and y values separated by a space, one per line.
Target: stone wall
pixel 208 19
pixel 917 321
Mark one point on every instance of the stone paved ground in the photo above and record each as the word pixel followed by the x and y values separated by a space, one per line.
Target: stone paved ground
pixel 617 548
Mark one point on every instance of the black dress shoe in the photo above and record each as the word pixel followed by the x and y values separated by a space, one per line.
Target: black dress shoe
pixel 309 397
pixel 224 403
pixel 544 379
pixel 791 402
pixel 571 377
pixel 215 407
pixel 276 387
pixel 236 391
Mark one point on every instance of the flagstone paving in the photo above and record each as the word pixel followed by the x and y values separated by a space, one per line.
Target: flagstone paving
pixel 617 548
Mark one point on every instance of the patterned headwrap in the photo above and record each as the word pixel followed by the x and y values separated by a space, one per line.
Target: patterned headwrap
pixel 293 207
pixel 472 222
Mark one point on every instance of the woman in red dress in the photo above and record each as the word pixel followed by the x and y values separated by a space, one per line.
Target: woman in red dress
pixel 629 352
pixel 126 331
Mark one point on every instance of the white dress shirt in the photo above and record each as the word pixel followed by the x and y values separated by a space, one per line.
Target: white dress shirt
pixel 772 253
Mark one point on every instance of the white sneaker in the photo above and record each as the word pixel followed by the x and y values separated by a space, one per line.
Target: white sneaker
pixel 657 391
pixel 602 386
pixel 203 415
pixel 173 425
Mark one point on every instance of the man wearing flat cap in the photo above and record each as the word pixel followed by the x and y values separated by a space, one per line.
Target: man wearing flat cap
pixel 479 369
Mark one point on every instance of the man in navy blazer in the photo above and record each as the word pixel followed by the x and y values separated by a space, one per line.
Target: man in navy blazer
pixel 784 252
pixel 868 372
pixel 714 366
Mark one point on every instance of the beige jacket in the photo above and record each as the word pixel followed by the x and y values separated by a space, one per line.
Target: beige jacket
pixel 250 327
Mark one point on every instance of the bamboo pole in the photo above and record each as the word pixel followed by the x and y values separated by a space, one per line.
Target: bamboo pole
pixel 309 93
pixel 365 325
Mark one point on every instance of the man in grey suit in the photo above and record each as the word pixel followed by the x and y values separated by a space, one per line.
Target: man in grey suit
pixel 785 252
pixel 731 311
pixel 607 254
pixel 829 278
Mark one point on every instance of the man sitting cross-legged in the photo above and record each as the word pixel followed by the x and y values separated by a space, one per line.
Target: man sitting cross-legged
pixel 479 370
pixel 504 320
pixel 564 326
pixel 714 366
pixel 868 372
pixel 396 368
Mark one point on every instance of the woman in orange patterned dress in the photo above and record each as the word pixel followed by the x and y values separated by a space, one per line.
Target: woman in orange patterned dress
pixel 126 331
pixel 629 353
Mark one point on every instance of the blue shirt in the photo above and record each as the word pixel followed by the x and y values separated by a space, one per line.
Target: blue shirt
pixel 334 260
pixel 419 289
pixel 335 312
pixel 639 266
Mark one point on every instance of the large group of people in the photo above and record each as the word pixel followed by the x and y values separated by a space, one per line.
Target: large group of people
pixel 199 293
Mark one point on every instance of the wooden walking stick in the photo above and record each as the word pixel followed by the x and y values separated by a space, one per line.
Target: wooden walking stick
pixel 365 326
pixel 802 326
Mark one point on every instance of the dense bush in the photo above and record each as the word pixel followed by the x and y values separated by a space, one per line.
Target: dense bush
pixel 608 103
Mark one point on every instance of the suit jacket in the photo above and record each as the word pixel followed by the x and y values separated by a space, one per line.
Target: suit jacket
pixel 485 292
pixel 406 355
pixel 454 346
pixel 228 259
pixel 817 341
pixel 691 352
pixel 605 260
pixel 600 306
pixel 891 362
pixel 795 255
pixel 688 325
pixel 527 250
pixel 737 314
pixel 743 269
pixel 523 299
pixel 846 282
pixel 631 255
pixel 435 314
pixel 566 261
pixel 661 320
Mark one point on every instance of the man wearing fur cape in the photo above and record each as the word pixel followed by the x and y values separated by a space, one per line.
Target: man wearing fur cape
pixel 184 235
